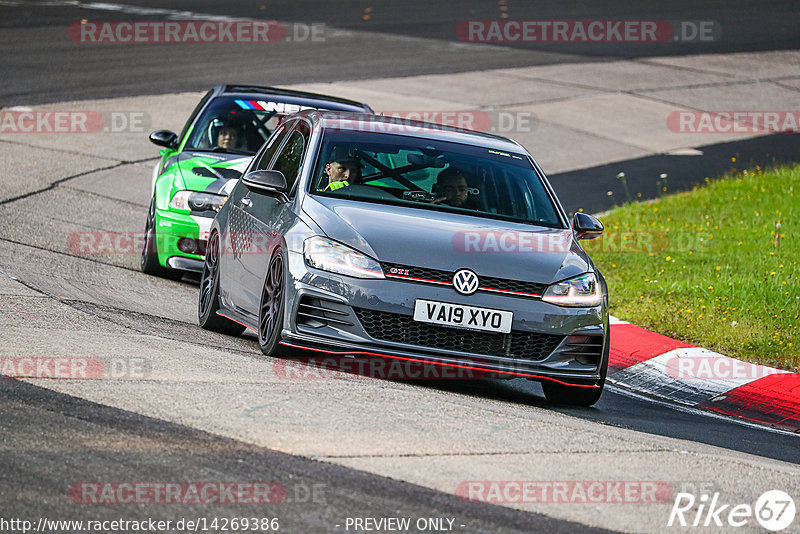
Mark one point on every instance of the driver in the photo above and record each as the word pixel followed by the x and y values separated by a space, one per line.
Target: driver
pixel 453 189
pixel 344 169
pixel 229 136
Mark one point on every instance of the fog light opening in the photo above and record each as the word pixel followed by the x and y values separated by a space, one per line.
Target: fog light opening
pixel 188 245
pixel 585 349
pixel 588 359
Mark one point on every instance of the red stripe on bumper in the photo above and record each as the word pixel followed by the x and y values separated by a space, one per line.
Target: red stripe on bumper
pixel 444 364
pixel 236 321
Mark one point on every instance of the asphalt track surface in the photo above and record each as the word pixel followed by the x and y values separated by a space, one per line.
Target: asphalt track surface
pixel 51 439
pixel 317 497
pixel 41 64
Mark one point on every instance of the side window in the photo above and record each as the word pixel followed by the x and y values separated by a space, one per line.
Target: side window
pixel 291 157
pixel 275 142
pixel 196 110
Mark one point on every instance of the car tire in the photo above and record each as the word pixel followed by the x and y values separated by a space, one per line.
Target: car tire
pixel 270 310
pixel 208 298
pixel 149 261
pixel 575 395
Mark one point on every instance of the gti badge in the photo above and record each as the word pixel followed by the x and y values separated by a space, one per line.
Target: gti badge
pixel 465 282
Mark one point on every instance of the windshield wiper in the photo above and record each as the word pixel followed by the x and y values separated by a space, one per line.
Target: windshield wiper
pixel 228 150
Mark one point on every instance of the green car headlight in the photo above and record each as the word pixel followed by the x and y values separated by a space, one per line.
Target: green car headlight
pixel 582 290
pixel 197 201
pixel 328 255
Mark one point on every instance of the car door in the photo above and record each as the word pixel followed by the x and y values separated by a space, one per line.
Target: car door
pixel 237 237
pixel 266 214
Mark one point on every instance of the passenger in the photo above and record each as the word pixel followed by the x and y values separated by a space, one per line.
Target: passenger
pixel 344 169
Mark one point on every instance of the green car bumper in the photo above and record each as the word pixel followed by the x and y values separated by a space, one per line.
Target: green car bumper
pixel 181 240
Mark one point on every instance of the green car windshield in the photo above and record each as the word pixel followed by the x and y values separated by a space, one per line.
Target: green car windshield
pixel 237 125
pixel 433 175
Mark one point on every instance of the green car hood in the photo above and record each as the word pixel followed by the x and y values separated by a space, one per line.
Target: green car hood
pixel 207 172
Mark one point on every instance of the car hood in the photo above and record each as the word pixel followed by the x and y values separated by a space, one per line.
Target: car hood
pixel 450 241
pixel 210 172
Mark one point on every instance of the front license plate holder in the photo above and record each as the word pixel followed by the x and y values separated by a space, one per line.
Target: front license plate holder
pixel 463 316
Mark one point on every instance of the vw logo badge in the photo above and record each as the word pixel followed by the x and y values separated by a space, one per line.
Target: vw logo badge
pixel 465 282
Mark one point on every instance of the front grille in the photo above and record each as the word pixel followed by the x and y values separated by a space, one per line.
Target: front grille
pixel 404 329
pixel 424 273
pixel 512 285
pixel 487 283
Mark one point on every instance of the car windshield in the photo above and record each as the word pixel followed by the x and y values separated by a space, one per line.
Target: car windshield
pixel 432 175
pixel 237 125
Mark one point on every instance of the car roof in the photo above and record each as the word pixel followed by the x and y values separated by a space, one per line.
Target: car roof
pixel 288 95
pixel 394 125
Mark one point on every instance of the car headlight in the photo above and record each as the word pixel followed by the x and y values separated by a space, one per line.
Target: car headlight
pixel 582 290
pixel 196 201
pixel 329 255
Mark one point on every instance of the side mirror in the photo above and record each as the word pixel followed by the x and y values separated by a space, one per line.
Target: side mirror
pixel 586 226
pixel 266 182
pixel 165 138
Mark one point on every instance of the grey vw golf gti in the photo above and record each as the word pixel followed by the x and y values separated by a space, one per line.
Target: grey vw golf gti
pixel 358 234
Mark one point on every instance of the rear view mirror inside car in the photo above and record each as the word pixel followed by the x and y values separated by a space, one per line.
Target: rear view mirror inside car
pixel 427 161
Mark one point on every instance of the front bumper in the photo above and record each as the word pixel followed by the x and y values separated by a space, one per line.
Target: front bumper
pixel 336 315
pixel 181 240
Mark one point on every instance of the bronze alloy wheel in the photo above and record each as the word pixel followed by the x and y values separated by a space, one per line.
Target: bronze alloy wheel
pixel 270 314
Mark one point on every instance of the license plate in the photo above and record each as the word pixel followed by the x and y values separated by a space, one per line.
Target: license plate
pixel 461 316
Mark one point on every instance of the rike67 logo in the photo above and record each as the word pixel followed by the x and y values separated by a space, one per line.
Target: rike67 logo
pixel 774 510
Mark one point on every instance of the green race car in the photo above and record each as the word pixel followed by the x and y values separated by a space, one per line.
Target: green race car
pixel 199 167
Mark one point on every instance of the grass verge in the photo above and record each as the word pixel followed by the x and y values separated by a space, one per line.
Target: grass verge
pixel 716 266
